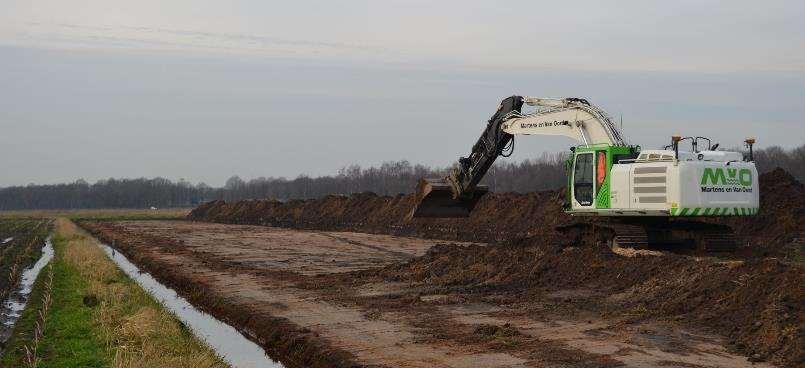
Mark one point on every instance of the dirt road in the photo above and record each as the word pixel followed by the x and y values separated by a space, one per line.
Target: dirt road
pixel 308 297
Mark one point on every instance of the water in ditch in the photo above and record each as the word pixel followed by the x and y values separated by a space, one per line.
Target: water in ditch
pixel 13 306
pixel 227 342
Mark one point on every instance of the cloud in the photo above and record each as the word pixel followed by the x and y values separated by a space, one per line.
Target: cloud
pixel 685 35
pixel 66 35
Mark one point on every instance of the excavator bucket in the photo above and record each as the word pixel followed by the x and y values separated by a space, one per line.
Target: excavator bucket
pixel 434 198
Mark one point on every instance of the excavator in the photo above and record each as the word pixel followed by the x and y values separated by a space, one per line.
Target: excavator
pixel 642 198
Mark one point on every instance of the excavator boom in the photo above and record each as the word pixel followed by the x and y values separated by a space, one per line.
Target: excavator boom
pixel 458 193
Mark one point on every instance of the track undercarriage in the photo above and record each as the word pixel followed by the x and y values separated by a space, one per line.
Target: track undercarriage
pixel 653 234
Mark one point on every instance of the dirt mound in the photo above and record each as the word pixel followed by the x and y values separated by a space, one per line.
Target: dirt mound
pixel 756 304
pixel 781 220
pixel 498 217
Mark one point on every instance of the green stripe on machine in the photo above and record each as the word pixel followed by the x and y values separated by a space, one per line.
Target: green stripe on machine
pixel 713 211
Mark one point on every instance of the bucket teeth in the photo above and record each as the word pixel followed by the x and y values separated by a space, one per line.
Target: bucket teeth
pixel 435 199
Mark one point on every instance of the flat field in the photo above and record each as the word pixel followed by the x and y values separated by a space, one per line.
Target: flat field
pixel 323 298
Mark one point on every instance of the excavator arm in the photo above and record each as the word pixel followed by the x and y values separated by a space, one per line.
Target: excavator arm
pixel 458 193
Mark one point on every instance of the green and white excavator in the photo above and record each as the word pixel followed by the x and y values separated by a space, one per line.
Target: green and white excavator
pixel 648 196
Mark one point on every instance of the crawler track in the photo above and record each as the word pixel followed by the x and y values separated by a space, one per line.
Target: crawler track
pixel 684 237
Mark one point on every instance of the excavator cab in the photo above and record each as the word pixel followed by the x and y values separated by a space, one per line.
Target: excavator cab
pixel 584 175
pixel 589 173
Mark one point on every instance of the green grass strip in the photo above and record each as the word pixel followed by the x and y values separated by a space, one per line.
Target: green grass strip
pixel 69 339
pixel 99 317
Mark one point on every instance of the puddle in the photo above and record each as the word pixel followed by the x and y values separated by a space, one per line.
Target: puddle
pixel 15 304
pixel 6 240
pixel 227 342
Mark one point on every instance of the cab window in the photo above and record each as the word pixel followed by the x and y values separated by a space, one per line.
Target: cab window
pixel 583 175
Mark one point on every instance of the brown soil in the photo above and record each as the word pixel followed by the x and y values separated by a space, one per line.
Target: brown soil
pixel 755 301
pixel 316 298
pixel 497 217
pixel 757 304
pixel 778 230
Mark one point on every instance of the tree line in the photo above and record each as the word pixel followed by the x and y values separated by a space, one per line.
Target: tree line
pixel 390 178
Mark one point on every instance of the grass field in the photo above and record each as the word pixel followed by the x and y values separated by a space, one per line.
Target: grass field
pixel 102 214
pixel 93 315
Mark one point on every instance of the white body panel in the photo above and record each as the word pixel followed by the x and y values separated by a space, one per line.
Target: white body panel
pixel 690 187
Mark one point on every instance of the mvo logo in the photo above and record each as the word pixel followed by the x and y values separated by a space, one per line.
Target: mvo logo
pixel 717 176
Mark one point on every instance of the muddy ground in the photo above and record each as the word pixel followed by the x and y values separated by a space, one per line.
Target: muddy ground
pixel 21 242
pixel 322 298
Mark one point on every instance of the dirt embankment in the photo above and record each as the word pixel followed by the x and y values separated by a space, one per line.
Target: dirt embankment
pixel 498 217
pixel 781 221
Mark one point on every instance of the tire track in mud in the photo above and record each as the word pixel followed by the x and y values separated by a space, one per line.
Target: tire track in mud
pixel 401 255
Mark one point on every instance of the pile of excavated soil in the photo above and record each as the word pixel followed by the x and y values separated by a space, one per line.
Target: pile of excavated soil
pixel 756 304
pixel 781 221
pixel 498 217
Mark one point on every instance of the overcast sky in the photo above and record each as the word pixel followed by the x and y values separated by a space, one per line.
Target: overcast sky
pixel 203 90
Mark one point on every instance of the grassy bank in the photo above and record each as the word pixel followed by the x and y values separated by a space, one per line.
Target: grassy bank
pixel 98 317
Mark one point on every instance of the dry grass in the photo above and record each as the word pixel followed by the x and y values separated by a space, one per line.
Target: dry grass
pixel 138 331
